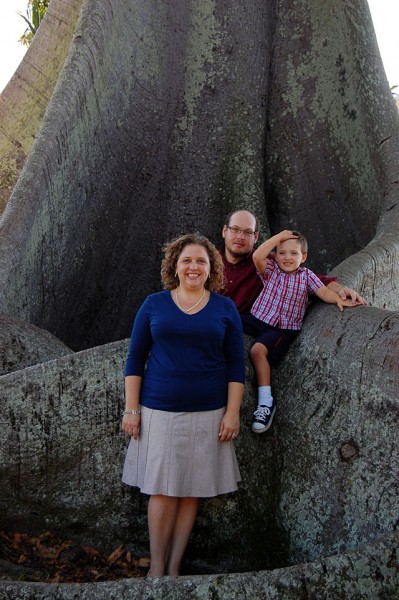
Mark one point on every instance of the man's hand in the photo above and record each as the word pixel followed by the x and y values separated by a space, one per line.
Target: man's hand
pixel 346 293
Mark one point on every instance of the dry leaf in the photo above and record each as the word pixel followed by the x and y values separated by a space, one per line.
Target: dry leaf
pixel 115 554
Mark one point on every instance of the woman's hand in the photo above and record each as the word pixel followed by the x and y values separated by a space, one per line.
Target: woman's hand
pixel 230 423
pixel 131 425
pixel 229 426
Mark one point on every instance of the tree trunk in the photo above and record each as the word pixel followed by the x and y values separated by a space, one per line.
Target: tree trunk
pixel 156 127
pixel 25 98
pixel 333 143
pixel 165 117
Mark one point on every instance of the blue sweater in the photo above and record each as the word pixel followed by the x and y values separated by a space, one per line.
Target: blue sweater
pixel 191 358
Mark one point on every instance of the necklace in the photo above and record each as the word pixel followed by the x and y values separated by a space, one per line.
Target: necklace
pixel 191 307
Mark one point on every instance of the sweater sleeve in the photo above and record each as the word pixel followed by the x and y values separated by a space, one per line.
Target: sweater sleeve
pixel 325 279
pixel 234 346
pixel 140 342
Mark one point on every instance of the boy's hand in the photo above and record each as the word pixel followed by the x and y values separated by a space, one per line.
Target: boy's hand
pixel 286 234
pixel 260 254
pixel 347 303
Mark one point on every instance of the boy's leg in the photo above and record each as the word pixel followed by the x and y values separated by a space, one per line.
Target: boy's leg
pixel 270 346
pixel 264 413
pixel 258 354
pixel 260 361
pixel 259 357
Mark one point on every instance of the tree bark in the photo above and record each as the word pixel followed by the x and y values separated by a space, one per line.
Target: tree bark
pixel 337 429
pixel 150 134
pixel 156 128
pixel 333 144
pixel 25 98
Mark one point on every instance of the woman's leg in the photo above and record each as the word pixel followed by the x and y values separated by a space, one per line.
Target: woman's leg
pixel 162 512
pixel 170 522
pixel 185 519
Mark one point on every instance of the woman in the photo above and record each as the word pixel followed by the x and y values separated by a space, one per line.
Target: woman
pixel 184 383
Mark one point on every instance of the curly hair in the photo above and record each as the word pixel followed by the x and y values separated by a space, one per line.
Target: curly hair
pixel 172 252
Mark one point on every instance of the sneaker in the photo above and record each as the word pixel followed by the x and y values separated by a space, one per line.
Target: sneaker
pixel 263 417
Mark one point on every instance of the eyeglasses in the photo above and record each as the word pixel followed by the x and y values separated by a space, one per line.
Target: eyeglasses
pixel 237 230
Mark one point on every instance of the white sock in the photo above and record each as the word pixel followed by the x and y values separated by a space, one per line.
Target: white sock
pixel 265 397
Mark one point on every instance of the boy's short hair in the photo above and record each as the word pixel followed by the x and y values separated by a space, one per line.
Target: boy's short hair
pixel 302 241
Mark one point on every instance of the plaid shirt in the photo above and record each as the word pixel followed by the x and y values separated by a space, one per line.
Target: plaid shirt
pixel 242 283
pixel 282 302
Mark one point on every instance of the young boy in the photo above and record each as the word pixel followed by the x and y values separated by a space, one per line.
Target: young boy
pixel 277 314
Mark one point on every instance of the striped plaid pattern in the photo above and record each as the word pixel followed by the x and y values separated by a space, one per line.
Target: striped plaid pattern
pixel 282 302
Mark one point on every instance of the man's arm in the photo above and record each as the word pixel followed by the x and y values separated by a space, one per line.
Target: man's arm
pixel 333 298
pixel 260 255
pixel 346 293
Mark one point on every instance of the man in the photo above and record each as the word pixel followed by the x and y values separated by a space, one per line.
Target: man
pixel 243 285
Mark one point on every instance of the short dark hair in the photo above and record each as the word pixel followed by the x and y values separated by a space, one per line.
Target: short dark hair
pixel 228 217
pixel 173 250
pixel 302 241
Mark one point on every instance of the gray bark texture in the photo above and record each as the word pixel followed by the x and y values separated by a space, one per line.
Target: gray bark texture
pixel 23 345
pixel 25 98
pixel 165 117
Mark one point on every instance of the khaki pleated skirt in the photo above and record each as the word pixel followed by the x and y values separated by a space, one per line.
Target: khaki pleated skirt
pixel 179 454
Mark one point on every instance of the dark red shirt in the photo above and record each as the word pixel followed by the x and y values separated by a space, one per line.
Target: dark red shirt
pixel 242 283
